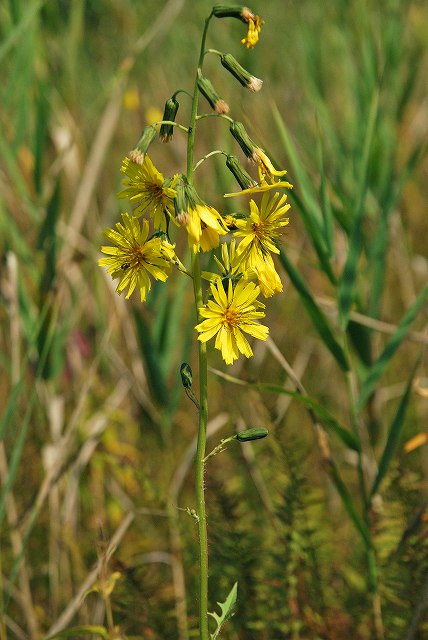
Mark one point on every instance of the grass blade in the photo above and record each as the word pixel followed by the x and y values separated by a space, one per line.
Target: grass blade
pixel 328 421
pixel 397 338
pixel 348 283
pixel 394 434
pixel 318 318
pixel 349 505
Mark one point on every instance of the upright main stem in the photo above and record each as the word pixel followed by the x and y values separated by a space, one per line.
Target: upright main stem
pixel 203 387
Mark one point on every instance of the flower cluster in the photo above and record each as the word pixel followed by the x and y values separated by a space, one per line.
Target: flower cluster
pixel 143 245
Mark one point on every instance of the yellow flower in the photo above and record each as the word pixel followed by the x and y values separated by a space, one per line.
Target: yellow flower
pixel 262 227
pixel 230 314
pixel 261 187
pixel 259 233
pixel 229 266
pixel 266 168
pixel 267 175
pixel 254 28
pixel 146 187
pixel 262 265
pixel 203 223
pixel 204 227
pixel 134 258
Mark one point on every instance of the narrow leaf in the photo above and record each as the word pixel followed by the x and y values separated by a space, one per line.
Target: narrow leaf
pixel 394 434
pixel 151 358
pixel 349 504
pixel 327 420
pixel 325 202
pixel 348 285
pixel 318 318
pixel 391 347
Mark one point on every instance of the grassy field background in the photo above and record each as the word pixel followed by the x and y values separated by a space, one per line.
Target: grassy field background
pixel 324 523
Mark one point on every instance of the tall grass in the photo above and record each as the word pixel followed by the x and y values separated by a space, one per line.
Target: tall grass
pixel 323 524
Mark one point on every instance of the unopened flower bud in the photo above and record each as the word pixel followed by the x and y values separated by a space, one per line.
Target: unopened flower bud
pixel 148 135
pixel 186 375
pixel 170 111
pixel 208 91
pixel 245 181
pixel 252 434
pixel 237 129
pixel 229 11
pixel 246 79
pixel 185 200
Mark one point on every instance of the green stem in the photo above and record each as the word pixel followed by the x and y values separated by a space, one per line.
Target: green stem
pixel 200 464
pixel 208 155
pixel 203 377
pixel 371 555
pixel 172 123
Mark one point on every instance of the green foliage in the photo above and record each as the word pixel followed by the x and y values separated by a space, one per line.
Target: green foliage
pixel 322 524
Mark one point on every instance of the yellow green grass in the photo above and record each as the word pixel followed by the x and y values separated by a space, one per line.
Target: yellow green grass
pixel 322 523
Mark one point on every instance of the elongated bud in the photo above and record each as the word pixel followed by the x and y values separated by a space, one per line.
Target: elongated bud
pixel 181 205
pixel 245 181
pixel 237 129
pixel 252 434
pixel 170 111
pixel 208 91
pixel 185 200
pixel 246 79
pixel 148 135
pixel 245 15
pixel 186 375
pixel 229 11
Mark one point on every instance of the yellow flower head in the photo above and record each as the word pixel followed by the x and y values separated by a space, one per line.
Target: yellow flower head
pixel 228 315
pixel 261 187
pixel 134 258
pixel 145 187
pixel 263 226
pixel 254 27
pixel 230 266
pixel 259 233
pixel 203 223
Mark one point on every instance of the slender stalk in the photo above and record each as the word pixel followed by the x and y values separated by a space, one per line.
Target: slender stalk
pixel 200 465
pixel 203 387
pixel 371 555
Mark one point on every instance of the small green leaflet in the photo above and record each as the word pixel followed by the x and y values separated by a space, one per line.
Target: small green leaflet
pixel 226 610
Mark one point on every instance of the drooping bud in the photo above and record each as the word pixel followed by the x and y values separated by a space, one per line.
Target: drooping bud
pixel 229 11
pixel 170 111
pixel 186 375
pixel 252 434
pixel 242 75
pixel 237 129
pixel 245 181
pixel 185 201
pixel 181 204
pixel 148 134
pixel 245 15
pixel 208 91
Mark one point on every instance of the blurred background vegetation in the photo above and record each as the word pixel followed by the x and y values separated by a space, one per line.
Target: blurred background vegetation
pixel 324 523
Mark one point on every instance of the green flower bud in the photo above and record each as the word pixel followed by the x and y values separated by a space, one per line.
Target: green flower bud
pixel 170 111
pixel 186 375
pixel 185 200
pixel 252 434
pixel 229 11
pixel 137 155
pixel 245 181
pixel 237 129
pixel 246 79
pixel 208 91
